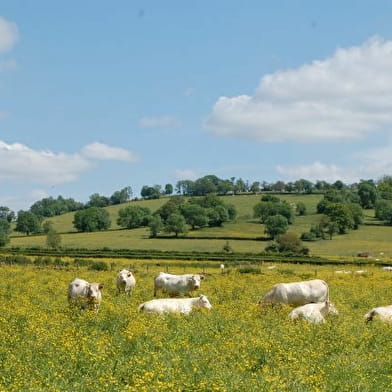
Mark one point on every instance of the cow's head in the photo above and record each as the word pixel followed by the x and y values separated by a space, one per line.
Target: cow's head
pixel 94 292
pixel 194 280
pixel 203 302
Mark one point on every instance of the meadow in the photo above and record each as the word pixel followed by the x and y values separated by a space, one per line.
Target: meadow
pixel 245 234
pixel 234 347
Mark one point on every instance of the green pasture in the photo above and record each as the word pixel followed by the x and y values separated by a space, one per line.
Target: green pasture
pixel 243 235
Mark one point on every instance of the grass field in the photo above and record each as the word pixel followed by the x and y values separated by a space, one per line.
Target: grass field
pixel 234 347
pixel 371 238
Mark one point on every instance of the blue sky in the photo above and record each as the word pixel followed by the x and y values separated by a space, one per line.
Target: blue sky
pixel 99 95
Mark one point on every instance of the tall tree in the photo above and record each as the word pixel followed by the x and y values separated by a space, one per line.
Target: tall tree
pixel 276 225
pixel 176 224
pixel 4 232
pixel 132 217
pixel 92 219
pixel 27 222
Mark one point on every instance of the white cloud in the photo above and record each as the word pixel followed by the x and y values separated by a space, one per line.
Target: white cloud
pixel 312 172
pixel 20 164
pixel 159 122
pixel 23 201
pixel 8 34
pixel 371 164
pixel 185 174
pixel 343 97
pixel 98 150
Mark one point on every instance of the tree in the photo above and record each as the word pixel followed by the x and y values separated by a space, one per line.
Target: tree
pixel 172 206
pixel 121 196
pixel 341 214
pixel 156 225
pixel 53 239
pixel 151 192
pixel 132 217
pixel 357 214
pixel 367 193
pixel 265 209
pixel 290 242
pixel 255 187
pixel 4 232
pixel 383 211
pixel 224 187
pixel 276 225
pixel 27 222
pixel 92 219
pixel 96 200
pixel 303 186
pixel 47 226
pixel 332 228
pixel 176 224
pixel 240 186
pixel 217 215
pixel 7 214
pixel 301 208
pixel 195 215
pixel 168 189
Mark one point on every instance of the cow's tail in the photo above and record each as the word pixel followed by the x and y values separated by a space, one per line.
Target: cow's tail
pixel 369 316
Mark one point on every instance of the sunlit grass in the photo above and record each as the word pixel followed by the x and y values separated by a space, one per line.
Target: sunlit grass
pixel 234 347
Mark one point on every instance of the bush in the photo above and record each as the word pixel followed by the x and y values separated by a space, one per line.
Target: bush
pixel 249 270
pixel 308 236
pixel 99 266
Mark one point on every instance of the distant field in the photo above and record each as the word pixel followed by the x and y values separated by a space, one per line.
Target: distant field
pixel 371 238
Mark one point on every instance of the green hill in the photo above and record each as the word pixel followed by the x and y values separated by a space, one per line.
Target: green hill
pixel 244 235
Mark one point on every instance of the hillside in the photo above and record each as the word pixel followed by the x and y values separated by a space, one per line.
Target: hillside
pixel 241 234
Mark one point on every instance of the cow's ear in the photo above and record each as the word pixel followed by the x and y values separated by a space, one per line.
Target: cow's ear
pixel 100 287
pixel 202 277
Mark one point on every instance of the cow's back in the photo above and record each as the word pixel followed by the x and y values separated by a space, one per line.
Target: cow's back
pixel 77 288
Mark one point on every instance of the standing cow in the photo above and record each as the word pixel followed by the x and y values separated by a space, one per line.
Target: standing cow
pixel 175 305
pixel 84 294
pixel 313 313
pixel 125 281
pixel 383 312
pixel 297 293
pixel 177 284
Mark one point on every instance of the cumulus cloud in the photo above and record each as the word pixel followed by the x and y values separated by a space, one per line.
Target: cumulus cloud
pixel 185 174
pixel 159 122
pixel 20 163
pixel 99 150
pixel 8 34
pixel 24 200
pixel 343 97
pixel 372 164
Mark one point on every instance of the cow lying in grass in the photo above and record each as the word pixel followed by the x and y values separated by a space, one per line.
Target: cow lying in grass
pixel 175 305
pixel 313 313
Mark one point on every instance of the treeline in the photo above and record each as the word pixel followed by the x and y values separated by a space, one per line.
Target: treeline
pixel 342 204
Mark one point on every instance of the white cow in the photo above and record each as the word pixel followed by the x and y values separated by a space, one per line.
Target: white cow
pixel 175 305
pixel 85 294
pixel 125 281
pixel 177 284
pixel 313 313
pixel 387 268
pixel 383 312
pixel 297 293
